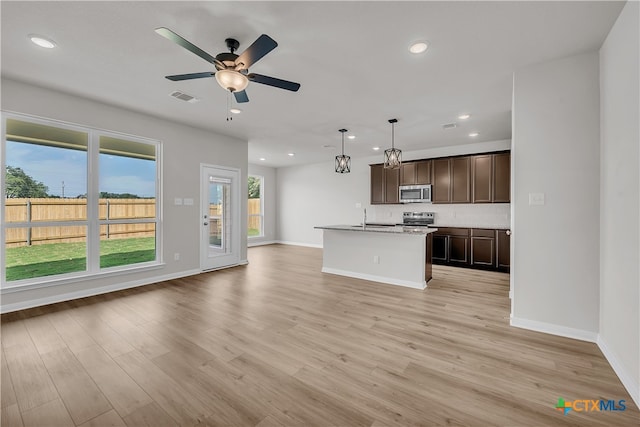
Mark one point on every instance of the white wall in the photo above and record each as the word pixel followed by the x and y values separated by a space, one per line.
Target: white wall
pixel 556 140
pixel 184 149
pixel 312 195
pixel 619 189
pixel 269 203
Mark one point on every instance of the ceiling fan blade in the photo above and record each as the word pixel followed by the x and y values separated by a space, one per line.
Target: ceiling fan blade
pixel 179 77
pixel 168 34
pixel 241 96
pixel 272 81
pixel 263 45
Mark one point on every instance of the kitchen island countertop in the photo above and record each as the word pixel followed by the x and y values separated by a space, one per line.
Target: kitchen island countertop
pixel 389 229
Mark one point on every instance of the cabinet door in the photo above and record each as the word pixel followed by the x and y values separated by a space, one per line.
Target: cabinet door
pixel 423 172
pixel 458 250
pixel 441 181
pixel 460 180
pixel 502 178
pixel 408 173
pixel 440 248
pixel 392 184
pixel 377 184
pixel 483 252
pixel 482 178
pixel 503 240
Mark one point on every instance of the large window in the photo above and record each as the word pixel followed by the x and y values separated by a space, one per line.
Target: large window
pixel 76 201
pixel 255 207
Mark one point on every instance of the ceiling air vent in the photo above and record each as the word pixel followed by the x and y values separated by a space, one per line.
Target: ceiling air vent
pixel 449 126
pixel 184 97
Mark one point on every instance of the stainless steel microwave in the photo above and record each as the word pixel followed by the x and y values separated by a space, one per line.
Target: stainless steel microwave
pixel 415 194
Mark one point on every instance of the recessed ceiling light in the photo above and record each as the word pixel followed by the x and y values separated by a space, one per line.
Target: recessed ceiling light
pixel 42 41
pixel 376 148
pixel 464 116
pixel 473 134
pixel 291 154
pixel 235 110
pixel 262 159
pixel 418 47
pixel 351 137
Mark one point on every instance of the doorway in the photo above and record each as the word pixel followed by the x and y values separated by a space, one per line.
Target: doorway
pixel 220 217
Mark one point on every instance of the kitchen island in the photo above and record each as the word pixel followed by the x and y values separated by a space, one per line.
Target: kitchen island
pixel 396 255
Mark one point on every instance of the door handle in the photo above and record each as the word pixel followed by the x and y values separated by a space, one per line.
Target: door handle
pixel 206 223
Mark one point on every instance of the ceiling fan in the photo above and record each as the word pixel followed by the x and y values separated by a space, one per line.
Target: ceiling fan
pixel 232 70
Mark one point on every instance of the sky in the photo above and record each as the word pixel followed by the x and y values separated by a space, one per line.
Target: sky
pixel 53 166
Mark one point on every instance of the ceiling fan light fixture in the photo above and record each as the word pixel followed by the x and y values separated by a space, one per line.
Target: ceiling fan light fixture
pixel 343 163
pixel 392 156
pixel 232 80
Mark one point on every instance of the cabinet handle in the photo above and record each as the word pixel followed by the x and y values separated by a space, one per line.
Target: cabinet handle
pixel 508 232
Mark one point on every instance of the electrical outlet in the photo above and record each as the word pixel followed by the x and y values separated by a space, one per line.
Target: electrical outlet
pixel 536 198
pixel 376 259
pixel 176 256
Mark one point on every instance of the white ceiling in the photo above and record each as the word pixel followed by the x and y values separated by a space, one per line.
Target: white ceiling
pixel 351 59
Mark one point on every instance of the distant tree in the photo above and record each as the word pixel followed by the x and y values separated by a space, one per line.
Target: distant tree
pixel 254 187
pixel 107 195
pixel 21 185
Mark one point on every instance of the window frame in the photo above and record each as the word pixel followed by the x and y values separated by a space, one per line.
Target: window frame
pixel 92 221
pixel 261 214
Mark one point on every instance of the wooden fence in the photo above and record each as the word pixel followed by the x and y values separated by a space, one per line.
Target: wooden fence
pixel 32 211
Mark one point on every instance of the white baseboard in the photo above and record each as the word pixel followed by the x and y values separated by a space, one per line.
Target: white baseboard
pixel 261 243
pixel 7 308
pixel 308 245
pixel 371 277
pixel 550 328
pixel 627 379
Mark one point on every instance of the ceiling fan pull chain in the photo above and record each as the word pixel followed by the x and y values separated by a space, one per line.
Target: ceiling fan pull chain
pixel 229 118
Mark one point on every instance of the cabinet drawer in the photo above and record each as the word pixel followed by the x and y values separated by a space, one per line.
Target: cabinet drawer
pixel 452 231
pixel 483 232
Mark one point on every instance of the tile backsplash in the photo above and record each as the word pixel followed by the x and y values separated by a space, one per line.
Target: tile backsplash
pixel 489 215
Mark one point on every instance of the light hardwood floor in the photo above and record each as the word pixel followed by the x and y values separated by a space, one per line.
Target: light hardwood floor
pixel 277 343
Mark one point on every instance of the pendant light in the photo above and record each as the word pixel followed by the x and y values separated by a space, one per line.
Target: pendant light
pixel 392 156
pixel 343 163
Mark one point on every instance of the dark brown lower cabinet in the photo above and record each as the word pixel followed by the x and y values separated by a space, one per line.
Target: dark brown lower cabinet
pixel 503 240
pixel 451 246
pixel 481 248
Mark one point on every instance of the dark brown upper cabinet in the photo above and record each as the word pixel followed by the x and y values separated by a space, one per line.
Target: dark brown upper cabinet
pixel 482 173
pixel 384 185
pixel 441 191
pixel 377 184
pixel 491 174
pixel 461 180
pixel 408 173
pixel 502 178
pixel 415 173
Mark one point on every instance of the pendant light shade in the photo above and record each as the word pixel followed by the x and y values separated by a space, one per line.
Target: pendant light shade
pixel 392 156
pixel 343 163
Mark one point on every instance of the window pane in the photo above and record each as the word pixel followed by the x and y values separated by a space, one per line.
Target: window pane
pixel 44 251
pixel 124 244
pixel 127 170
pixel 254 206
pixel 46 173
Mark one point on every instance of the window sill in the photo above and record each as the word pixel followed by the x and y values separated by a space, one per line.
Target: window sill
pixel 46 282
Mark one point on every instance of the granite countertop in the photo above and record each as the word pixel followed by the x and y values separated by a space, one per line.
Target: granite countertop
pixel 488 227
pixel 379 229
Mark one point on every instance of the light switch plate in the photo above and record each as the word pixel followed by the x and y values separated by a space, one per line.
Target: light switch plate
pixel 177 201
pixel 188 202
pixel 358 205
pixel 536 198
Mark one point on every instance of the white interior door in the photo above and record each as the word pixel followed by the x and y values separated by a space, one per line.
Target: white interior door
pixel 220 217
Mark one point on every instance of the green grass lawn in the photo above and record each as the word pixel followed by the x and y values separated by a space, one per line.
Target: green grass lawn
pixel 25 262
pixel 253 232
